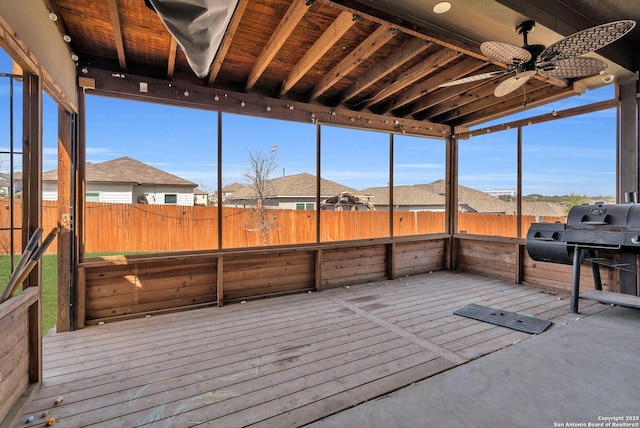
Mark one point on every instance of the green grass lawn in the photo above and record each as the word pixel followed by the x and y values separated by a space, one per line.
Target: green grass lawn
pixel 49 286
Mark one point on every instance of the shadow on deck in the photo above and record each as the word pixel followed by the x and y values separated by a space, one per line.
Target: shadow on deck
pixel 281 362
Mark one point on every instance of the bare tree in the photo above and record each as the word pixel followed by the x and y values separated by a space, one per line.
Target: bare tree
pixel 261 166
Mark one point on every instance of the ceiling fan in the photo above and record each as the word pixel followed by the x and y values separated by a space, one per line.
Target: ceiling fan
pixel 561 60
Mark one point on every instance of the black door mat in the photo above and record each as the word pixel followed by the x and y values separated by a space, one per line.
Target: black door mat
pixel 503 318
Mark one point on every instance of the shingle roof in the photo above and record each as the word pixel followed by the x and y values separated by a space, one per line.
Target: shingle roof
pixel 125 170
pixel 472 198
pixel 550 209
pixel 303 184
pixel 414 195
pixel 233 187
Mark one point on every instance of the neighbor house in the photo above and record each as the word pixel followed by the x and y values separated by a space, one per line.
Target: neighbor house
pixel 431 197
pixel 5 184
pixel 289 192
pixel 125 180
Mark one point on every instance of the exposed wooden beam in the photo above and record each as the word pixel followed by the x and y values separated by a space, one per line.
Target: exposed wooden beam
pixel 477 99
pixel 408 51
pixel 171 63
pixel 368 47
pixel 226 41
pixel 480 90
pixel 203 97
pixel 117 33
pixel 288 23
pixel 330 37
pixel 464 67
pixel 547 117
pixel 417 72
pixel 513 105
pixel 445 94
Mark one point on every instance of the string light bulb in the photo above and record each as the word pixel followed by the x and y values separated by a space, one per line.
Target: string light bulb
pixel 216 97
pixel 242 104
pixel 268 108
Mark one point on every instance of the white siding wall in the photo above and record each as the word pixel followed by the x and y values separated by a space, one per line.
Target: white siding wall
pixel 112 193
pixel 156 194
pixel 49 191
pixel 124 193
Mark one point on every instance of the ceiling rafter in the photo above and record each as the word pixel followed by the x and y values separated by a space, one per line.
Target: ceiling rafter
pixel 514 104
pixel 114 12
pixel 465 66
pixel 171 61
pixel 368 47
pixel 417 72
pixel 444 95
pixel 288 23
pixel 477 92
pixel 226 41
pixel 408 51
pixel 330 37
pixel 487 103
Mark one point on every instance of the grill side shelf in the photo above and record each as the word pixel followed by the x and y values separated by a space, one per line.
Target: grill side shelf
pixel 612 298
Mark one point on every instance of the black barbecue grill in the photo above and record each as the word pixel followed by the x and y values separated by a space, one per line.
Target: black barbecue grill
pixel 589 229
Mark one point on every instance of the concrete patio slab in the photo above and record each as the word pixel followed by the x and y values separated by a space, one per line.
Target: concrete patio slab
pixel 584 373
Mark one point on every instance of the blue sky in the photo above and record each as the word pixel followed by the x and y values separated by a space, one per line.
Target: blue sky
pixel 574 155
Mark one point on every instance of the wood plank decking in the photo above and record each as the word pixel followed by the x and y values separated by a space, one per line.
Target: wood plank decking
pixel 279 362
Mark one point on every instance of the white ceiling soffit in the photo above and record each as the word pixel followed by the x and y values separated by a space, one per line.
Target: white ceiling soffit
pixel 198 26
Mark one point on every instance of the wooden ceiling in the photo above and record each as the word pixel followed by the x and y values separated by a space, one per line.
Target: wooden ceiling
pixel 326 56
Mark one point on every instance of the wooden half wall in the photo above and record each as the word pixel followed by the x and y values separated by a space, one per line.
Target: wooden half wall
pixel 115 288
pixel 507 259
pixel 18 320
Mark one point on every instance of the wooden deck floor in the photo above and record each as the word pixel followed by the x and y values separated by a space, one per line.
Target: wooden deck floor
pixel 279 362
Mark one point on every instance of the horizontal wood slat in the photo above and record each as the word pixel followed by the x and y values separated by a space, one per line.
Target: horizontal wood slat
pixel 283 361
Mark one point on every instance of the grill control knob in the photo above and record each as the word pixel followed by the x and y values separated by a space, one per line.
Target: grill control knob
pixel 636 239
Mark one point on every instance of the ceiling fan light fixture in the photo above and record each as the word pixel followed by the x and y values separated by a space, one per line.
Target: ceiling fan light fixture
pixel 442 7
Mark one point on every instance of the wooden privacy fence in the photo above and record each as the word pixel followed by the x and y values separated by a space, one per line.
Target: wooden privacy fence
pixel 130 228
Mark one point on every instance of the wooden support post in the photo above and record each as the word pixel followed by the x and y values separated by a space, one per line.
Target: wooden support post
pixel 219 183
pixel 63 322
pixel 519 263
pixel 451 199
pixel 628 165
pixel 319 269
pixel 318 178
pixel 80 190
pixel 391 209
pixel 32 209
pixel 391 260
pixel 220 281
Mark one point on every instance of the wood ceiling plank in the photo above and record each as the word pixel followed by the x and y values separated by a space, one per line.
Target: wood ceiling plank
pixel 408 51
pixel 368 47
pixel 289 22
pixel 226 41
pixel 330 37
pixel 417 72
pixel 171 62
pixel 466 66
pixel 114 11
